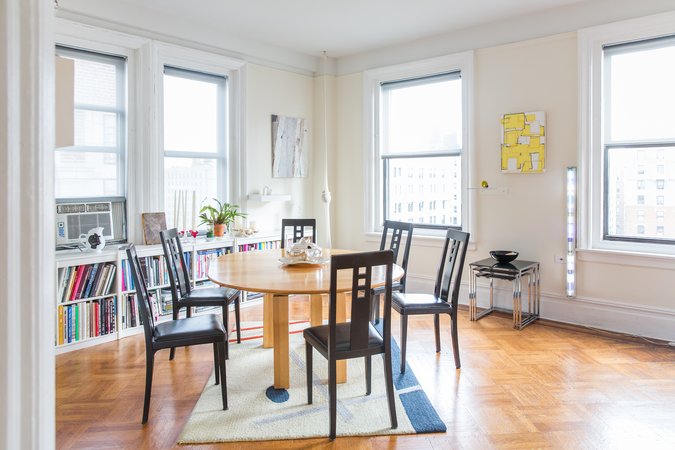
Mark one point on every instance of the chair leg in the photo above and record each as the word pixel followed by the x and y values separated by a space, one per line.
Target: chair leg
pixel 149 366
pixel 437 331
pixel 226 322
pixel 308 364
pixel 455 341
pixel 216 362
pixel 332 394
pixel 389 380
pixel 368 374
pixel 237 302
pixel 223 373
pixel 404 338
pixel 176 311
pixel 375 314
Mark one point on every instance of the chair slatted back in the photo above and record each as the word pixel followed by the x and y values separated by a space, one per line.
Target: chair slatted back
pixel 362 265
pixel 142 295
pixel 399 231
pixel 175 263
pixel 450 271
pixel 299 231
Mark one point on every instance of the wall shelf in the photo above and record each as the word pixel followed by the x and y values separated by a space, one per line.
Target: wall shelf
pixel 269 197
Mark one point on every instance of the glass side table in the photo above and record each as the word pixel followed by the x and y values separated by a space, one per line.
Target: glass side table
pixel 514 271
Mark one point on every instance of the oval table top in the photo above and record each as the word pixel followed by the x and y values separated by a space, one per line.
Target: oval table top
pixel 261 271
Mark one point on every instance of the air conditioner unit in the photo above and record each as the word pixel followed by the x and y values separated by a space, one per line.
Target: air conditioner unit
pixel 74 219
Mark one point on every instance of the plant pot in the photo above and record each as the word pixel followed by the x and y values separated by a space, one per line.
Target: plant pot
pixel 218 229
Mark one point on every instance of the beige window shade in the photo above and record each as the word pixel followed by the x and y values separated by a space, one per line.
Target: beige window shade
pixel 65 106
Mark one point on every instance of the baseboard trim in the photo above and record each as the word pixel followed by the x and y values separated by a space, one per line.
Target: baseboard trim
pixel 588 313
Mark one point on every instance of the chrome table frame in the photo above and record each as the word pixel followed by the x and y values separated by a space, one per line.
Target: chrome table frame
pixel 514 272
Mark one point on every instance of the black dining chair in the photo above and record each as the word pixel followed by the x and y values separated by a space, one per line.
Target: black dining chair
pixel 205 329
pixel 400 231
pixel 443 300
pixel 301 228
pixel 358 338
pixel 182 293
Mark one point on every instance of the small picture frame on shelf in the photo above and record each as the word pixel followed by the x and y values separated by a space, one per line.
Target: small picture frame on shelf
pixel 153 223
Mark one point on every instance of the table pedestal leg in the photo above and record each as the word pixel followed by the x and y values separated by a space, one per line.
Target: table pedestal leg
pixel 268 321
pixel 316 309
pixel 341 316
pixel 281 362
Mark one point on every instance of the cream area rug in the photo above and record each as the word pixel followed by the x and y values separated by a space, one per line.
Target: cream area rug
pixel 259 412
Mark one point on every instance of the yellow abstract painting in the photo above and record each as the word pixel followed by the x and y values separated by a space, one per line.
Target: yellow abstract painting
pixel 524 142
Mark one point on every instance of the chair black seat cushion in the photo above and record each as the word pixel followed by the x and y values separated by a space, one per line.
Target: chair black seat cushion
pixel 210 295
pixel 419 304
pixel 199 327
pixel 318 337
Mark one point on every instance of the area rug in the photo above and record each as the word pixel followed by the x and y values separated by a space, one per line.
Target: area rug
pixel 258 412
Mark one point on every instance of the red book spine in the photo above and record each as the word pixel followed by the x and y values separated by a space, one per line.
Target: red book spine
pixel 78 280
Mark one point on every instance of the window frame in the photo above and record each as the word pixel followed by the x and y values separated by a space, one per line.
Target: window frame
pixel 120 60
pixel 373 157
pixel 592 151
pixel 231 162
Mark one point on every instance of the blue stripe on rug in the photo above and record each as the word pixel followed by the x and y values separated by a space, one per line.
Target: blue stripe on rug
pixel 422 414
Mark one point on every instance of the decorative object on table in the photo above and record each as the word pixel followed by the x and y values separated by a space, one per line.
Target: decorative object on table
pixel 153 223
pixel 523 142
pixel 503 256
pixel 303 252
pixel 93 241
pixel 220 217
pixel 289 157
pixel 254 416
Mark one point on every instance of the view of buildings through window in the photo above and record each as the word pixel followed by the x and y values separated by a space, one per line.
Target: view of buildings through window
pixel 639 137
pixel 421 150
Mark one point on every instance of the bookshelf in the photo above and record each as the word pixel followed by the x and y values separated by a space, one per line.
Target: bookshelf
pixel 102 306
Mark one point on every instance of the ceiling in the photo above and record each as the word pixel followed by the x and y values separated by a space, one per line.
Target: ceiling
pixel 340 27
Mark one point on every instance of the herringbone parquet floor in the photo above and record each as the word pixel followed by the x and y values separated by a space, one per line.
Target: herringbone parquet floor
pixel 543 387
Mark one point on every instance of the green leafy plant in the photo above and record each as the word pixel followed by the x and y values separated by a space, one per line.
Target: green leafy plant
pixel 219 213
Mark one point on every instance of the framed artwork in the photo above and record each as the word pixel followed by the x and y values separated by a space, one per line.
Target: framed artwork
pixel 289 138
pixel 523 142
pixel 153 223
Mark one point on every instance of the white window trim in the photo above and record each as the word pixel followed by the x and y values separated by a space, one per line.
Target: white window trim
pixel 231 69
pixel 372 79
pixel 591 42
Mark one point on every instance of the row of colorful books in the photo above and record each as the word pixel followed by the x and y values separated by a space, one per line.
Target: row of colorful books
pixel 85 281
pixel 204 259
pixel 154 269
pixel 86 320
pixel 270 245
pixel 161 306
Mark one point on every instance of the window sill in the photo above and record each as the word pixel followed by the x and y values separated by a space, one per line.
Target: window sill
pixel 622 258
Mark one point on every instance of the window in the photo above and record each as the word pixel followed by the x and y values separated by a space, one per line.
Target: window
pixel 418 121
pixel 660 200
pixel 195 136
pixel 94 166
pixel 637 137
pixel 421 128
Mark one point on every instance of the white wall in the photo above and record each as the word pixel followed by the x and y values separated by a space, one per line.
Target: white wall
pixel 531 75
pixel 272 91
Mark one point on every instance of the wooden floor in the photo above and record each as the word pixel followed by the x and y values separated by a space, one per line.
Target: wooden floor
pixel 543 387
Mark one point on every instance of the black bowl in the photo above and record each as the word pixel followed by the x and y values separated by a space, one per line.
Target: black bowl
pixel 503 256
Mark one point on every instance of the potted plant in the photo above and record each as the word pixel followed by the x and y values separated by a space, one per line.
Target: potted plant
pixel 220 216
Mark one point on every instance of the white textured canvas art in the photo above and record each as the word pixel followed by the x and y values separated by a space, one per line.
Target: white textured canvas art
pixel 289 137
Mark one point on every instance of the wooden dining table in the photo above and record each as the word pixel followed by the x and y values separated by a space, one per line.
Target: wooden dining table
pixel 262 271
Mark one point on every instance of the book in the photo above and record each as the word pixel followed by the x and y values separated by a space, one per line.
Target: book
pixel 90 280
pixel 97 280
pixel 78 281
pixel 111 279
pixel 71 284
pixel 63 280
pixel 101 280
pixel 60 335
pixel 85 278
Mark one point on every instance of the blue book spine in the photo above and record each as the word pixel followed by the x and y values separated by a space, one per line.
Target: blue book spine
pixel 90 281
